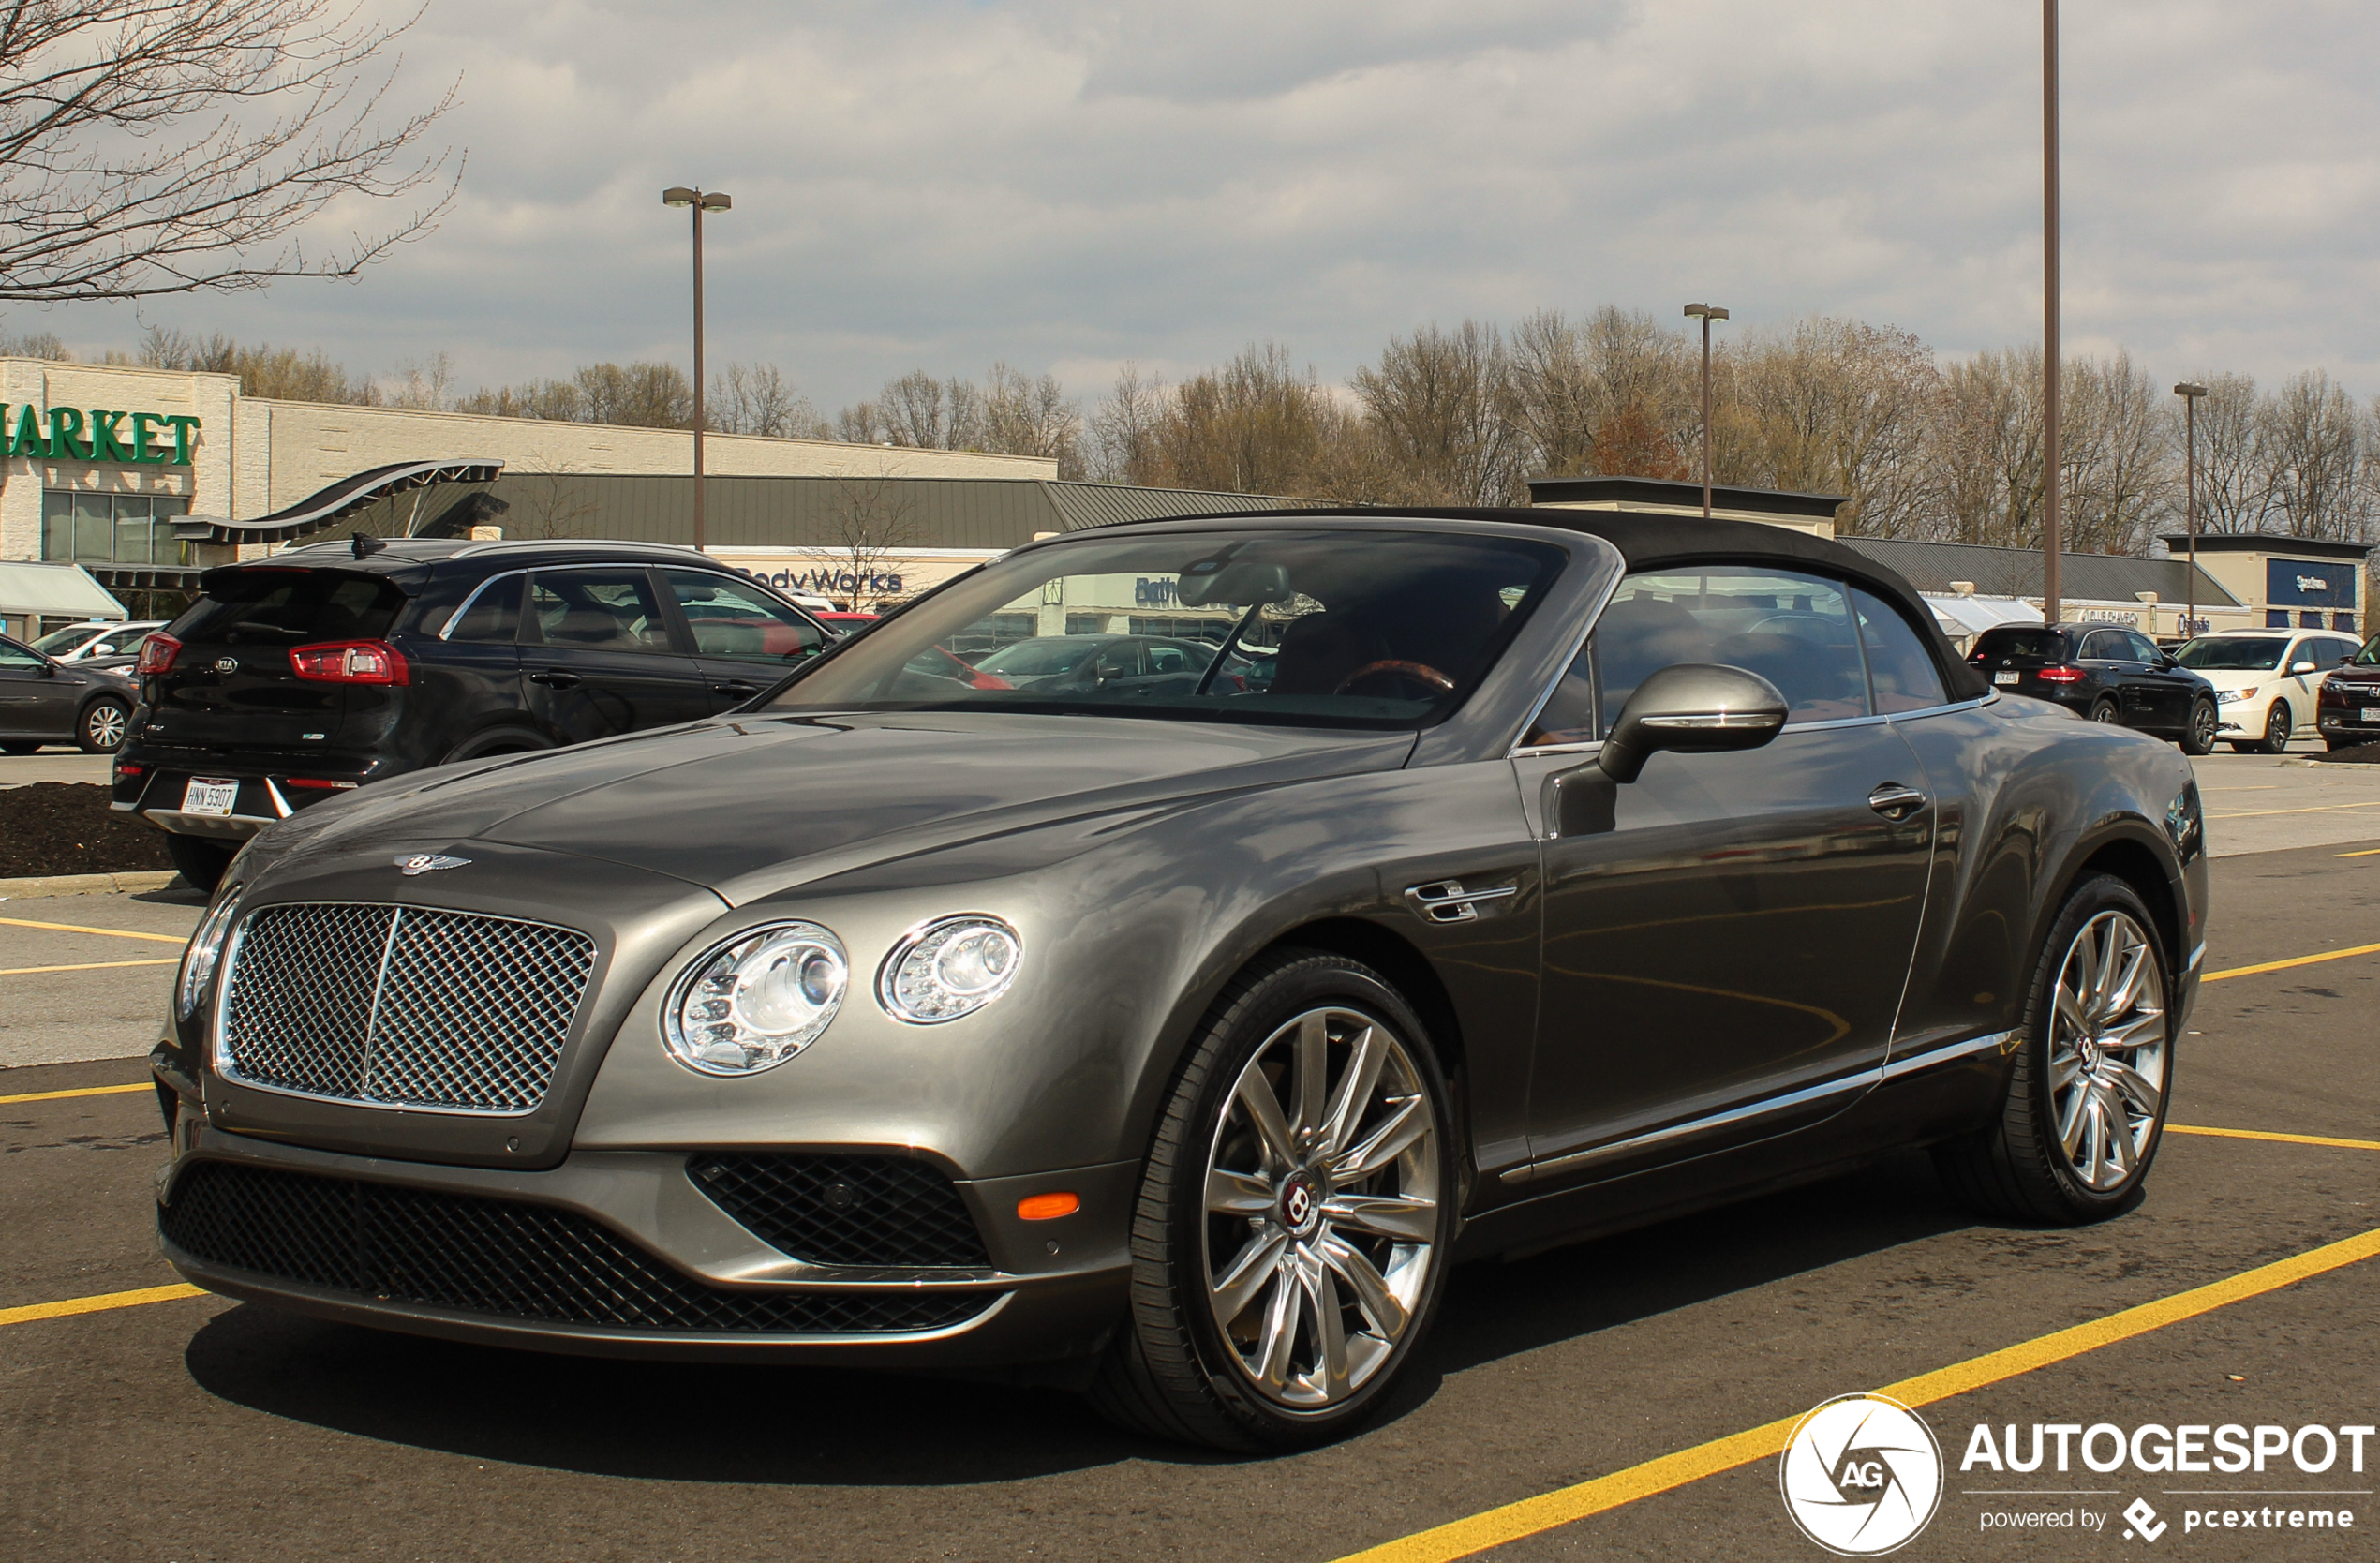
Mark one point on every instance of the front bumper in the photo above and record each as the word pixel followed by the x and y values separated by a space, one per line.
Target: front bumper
pixel 648 1266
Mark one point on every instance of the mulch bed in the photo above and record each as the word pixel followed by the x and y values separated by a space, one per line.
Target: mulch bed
pixel 65 828
pixel 2361 754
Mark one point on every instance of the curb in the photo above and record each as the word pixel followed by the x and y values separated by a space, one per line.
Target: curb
pixel 85 884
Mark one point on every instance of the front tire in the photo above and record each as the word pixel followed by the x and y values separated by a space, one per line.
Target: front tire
pixel 2199 737
pixel 2088 1091
pixel 2279 723
pixel 1291 1241
pixel 199 860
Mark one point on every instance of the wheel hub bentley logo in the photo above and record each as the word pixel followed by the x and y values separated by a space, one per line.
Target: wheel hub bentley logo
pixel 1861 1475
pixel 1296 1205
pixel 425 862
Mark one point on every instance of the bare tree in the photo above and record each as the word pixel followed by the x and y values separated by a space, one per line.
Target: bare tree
pixel 871 525
pixel 1123 432
pixel 173 146
pixel 1438 403
pixel 2235 478
pixel 2312 435
pixel 759 399
pixel 1834 407
pixel 1018 415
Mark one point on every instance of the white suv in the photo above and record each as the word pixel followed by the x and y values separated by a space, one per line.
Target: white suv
pixel 2265 681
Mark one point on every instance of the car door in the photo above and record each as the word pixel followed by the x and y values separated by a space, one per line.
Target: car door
pixel 744 638
pixel 2107 662
pixel 2305 687
pixel 598 655
pixel 2165 691
pixel 27 694
pixel 1726 938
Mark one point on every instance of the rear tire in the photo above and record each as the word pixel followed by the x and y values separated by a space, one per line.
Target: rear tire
pixel 2106 711
pixel 1291 1241
pixel 20 746
pixel 102 728
pixel 2092 1074
pixel 2199 737
pixel 2279 723
pixel 200 859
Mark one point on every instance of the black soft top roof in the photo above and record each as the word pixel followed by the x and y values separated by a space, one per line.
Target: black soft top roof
pixel 1649 541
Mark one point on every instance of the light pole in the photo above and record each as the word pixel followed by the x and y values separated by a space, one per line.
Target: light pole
pixel 1706 312
pixel 2189 390
pixel 2052 479
pixel 678 195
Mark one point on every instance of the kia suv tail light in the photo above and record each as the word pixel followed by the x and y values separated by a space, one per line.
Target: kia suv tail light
pixel 2062 675
pixel 157 654
pixel 349 661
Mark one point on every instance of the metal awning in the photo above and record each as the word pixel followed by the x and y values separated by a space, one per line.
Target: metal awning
pixel 341 498
pixel 1972 616
pixel 147 577
pixel 54 589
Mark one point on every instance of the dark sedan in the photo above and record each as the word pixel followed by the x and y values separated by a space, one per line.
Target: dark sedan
pixel 2105 674
pixel 46 701
pixel 1497 878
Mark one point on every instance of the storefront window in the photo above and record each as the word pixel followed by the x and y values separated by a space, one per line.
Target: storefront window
pixel 113 528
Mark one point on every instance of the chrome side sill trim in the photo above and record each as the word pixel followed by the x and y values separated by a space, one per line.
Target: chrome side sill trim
pixel 1593 1154
pixel 2197 956
pixel 1997 1041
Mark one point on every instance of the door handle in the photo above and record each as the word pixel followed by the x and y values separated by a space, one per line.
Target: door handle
pixel 555 678
pixel 1895 801
pixel 737 688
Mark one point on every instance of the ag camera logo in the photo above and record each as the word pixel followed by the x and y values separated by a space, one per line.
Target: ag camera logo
pixel 1861 1475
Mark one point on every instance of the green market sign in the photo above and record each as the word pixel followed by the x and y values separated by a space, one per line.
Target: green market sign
pixel 97 435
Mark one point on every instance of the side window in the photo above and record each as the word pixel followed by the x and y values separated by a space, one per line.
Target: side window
pixel 493 615
pixel 1901 675
pixel 730 619
pixel 2140 648
pixel 2095 648
pixel 1171 660
pixel 596 610
pixel 18 659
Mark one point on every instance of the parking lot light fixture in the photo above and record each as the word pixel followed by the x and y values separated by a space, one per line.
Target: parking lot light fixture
pixel 1706 312
pixel 697 202
pixel 2189 390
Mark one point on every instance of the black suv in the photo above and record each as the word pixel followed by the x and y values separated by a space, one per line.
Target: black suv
pixel 2106 674
pixel 324 667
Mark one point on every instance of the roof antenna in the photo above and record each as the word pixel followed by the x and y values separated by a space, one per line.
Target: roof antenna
pixel 364 544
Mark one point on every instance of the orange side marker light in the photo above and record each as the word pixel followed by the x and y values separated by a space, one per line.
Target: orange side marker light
pixel 1046 1207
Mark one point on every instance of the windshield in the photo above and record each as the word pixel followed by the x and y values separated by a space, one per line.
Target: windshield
pixel 57 643
pixel 1372 629
pixel 2236 654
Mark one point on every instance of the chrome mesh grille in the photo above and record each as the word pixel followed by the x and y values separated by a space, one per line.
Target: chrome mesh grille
pixel 404 1005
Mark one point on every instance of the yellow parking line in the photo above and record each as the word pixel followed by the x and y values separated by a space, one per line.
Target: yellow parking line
pixel 87 966
pixel 99 1304
pixel 2293 961
pixel 2316 809
pixel 85 1091
pixel 2282 1139
pixel 1531 1516
pixel 2367 851
pixel 110 933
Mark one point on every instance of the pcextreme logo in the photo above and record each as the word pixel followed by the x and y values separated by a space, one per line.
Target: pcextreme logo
pixel 1861 1475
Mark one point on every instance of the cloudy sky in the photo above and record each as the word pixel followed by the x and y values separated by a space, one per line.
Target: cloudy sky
pixel 1067 186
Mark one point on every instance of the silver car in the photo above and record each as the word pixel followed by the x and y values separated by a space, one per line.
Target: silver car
pixel 1483 882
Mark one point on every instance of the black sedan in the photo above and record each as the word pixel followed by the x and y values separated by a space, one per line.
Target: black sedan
pixel 43 700
pixel 1501 878
pixel 2105 674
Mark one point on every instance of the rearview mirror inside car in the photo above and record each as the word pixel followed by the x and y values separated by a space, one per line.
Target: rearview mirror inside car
pixel 1692 708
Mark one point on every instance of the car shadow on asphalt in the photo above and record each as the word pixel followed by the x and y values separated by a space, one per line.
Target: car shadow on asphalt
pixel 831 1427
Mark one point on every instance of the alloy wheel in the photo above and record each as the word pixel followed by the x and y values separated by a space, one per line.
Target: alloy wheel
pixel 1321 1207
pixel 2108 1042
pixel 104 726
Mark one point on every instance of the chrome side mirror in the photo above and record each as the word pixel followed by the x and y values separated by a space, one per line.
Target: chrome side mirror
pixel 1692 708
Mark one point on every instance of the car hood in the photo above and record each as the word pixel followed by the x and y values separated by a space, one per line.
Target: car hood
pixel 2228 678
pixel 750 806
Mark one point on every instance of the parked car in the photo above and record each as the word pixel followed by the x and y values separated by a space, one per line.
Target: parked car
pixel 1070 662
pixel 45 700
pixel 98 638
pixel 324 668
pixel 2267 682
pixel 843 622
pixel 2102 673
pixel 2347 704
pixel 1176 1041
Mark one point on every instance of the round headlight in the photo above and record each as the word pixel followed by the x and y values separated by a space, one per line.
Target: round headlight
pixel 757 1000
pixel 199 959
pixel 950 967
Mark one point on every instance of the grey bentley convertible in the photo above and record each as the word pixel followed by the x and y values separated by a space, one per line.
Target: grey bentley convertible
pixel 1457 883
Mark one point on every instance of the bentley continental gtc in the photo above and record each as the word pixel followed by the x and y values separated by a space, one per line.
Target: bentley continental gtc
pixel 1481 880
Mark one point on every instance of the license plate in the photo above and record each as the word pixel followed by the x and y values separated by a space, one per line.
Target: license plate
pixel 2372 713
pixel 210 795
pixel 2005 677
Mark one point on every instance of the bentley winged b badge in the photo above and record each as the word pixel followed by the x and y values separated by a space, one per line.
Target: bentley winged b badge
pixel 424 862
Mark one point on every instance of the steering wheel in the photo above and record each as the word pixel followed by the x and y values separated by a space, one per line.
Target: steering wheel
pixel 1419 672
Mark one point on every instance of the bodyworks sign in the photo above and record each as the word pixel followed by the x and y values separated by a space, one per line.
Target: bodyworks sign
pixel 97 434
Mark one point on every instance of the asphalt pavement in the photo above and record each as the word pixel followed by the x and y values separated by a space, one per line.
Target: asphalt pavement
pixel 200 1429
